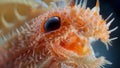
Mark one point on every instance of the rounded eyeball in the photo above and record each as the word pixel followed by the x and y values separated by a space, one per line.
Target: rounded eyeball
pixel 52 24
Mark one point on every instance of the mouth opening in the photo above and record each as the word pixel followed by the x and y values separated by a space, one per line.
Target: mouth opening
pixel 76 44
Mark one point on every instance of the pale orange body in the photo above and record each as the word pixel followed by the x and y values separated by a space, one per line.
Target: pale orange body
pixel 66 47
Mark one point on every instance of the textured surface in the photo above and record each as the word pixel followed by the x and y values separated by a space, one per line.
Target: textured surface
pixel 25 51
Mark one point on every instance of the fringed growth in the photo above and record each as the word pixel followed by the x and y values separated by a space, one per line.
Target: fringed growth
pixel 69 46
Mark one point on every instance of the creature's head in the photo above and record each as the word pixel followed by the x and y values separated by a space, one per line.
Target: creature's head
pixel 68 30
pixel 60 37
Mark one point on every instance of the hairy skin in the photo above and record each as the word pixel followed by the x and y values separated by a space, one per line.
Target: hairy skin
pixel 66 47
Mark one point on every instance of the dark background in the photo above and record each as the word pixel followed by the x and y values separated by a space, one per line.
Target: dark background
pixel 107 7
pixel 113 54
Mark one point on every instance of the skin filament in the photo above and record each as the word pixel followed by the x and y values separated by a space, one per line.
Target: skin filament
pixel 30 46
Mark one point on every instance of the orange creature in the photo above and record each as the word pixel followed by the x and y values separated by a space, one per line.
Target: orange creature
pixel 59 38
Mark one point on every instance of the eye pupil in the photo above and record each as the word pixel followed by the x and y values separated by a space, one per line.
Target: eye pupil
pixel 52 23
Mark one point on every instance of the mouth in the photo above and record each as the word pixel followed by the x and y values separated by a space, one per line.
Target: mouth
pixel 77 48
pixel 77 44
pixel 71 42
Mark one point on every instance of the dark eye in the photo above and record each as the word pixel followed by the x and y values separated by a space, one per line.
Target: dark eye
pixel 52 23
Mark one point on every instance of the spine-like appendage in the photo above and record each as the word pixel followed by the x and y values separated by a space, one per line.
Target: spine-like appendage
pixel 20 11
pixel 16 47
pixel 21 49
pixel 30 47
